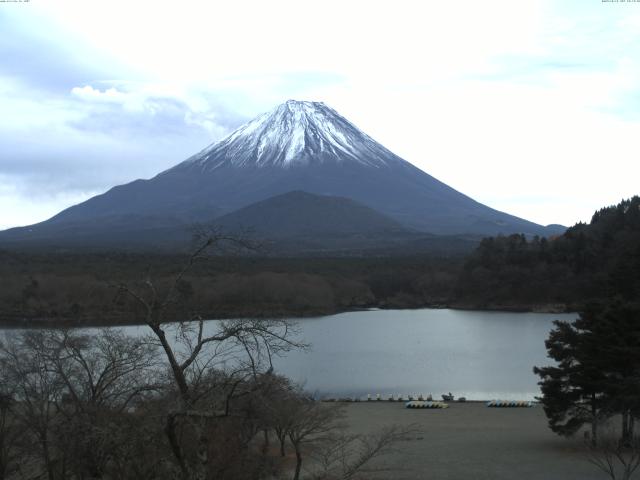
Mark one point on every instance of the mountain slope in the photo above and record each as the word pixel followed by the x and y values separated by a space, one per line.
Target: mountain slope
pixel 300 222
pixel 304 146
pixel 118 232
pixel 296 214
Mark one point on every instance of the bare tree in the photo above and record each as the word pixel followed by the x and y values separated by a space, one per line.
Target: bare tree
pixel 617 458
pixel 10 431
pixel 71 393
pixel 108 370
pixel 281 412
pixel 104 376
pixel 348 457
pixel 193 349
pixel 37 391
pixel 310 422
pixel 317 430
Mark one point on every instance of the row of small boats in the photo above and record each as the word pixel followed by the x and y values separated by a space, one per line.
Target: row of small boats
pixel 420 401
pixel 492 403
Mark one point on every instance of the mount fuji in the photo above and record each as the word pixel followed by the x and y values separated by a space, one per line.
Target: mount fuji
pixel 298 147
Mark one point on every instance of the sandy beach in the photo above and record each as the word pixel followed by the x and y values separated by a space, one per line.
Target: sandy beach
pixel 472 441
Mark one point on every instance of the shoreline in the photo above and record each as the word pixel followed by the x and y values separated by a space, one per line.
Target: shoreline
pixel 359 401
pixel 10 323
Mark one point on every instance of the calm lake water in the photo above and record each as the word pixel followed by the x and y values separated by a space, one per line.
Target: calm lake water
pixel 479 355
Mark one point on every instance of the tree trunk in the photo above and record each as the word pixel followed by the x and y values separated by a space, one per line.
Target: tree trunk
pixel 265 445
pixel 282 452
pixel 594 421
pixel 170 432
pixel 296 475
pixel 178 374
pixel 203 454
pixel 199 470
pixel 47 459
pixel 625 428
pixel 282 438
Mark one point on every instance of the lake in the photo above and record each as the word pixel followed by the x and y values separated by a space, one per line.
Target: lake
pixel 479 355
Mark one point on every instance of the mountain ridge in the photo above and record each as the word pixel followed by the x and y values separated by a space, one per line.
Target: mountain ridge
pixel 298 146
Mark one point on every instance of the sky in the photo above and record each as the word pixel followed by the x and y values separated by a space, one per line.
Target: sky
pixel 530 107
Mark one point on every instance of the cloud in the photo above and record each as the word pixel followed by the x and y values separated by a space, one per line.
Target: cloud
pixel 23 203
pixel 123 134
pixel 134 110
pixel 76 121
pixel 43 55
pixel 59 150
pixel 521 106
pixel 110 95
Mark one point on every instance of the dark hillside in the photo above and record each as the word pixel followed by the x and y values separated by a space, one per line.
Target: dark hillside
pixel 588 262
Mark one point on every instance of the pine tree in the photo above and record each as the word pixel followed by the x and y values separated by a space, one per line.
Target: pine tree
pixel 598 370
pixel 617 329
pixel 573 391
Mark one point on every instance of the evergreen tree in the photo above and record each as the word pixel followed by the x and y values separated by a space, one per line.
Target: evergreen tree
pixel 598 370
pixel 573 391
pixel 617 329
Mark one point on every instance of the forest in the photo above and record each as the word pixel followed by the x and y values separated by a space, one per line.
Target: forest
pixel 78 289
pixel 588 262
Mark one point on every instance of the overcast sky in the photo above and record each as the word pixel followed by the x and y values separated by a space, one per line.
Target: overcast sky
pixel 531 107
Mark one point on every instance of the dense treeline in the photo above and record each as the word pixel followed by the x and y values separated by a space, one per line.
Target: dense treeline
pixel 78 288
pixel 589 262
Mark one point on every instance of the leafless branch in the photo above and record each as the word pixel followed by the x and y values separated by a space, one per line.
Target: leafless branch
pixel 617 459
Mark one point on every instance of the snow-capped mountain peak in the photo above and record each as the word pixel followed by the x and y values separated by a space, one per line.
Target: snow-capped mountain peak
pixel 303 147
pixel 295 133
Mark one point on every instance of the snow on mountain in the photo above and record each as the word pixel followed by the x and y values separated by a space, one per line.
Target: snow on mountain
pixel 299 146
pixel 295 133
